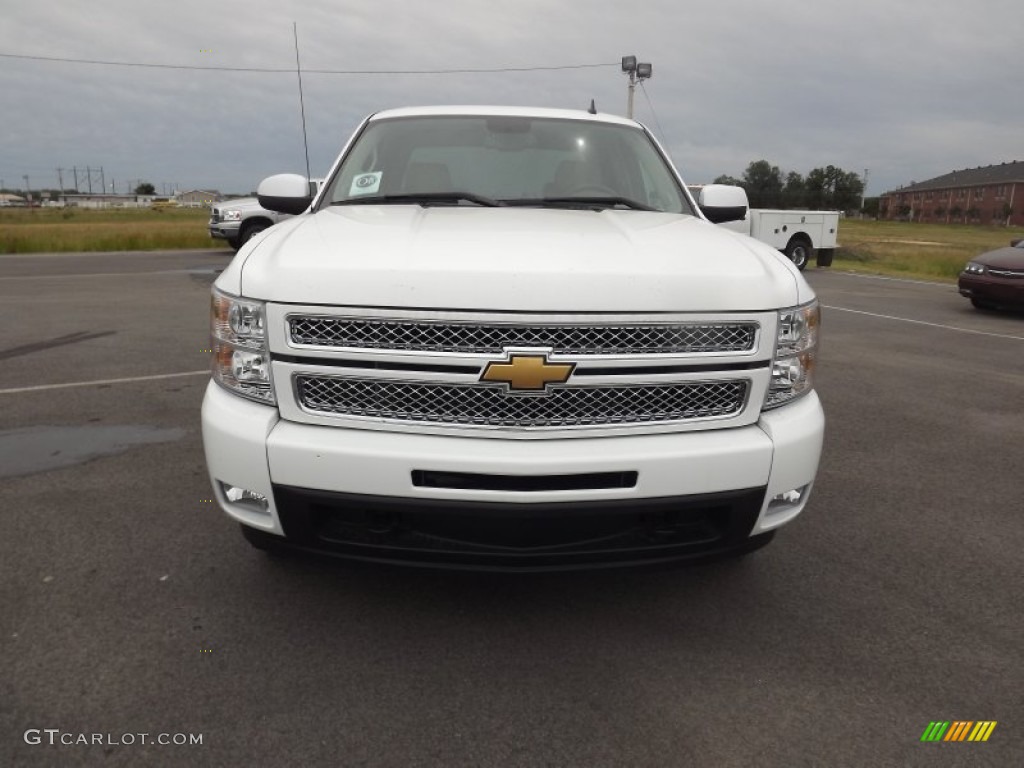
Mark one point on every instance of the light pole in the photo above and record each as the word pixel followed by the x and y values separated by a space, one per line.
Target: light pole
pixel 28 189
pixel 636 72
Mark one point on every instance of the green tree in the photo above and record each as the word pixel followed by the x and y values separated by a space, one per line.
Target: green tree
pixel 833 188
pixel 730 180
pixel 763 182
pixel 794 193
pixel 828 188
pixel 848 190
pixel 818 188
pixel 145 188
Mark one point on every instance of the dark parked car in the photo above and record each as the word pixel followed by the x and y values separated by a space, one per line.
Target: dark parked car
pixel 995 279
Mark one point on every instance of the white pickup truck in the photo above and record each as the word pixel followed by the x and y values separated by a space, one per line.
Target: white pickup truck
pixel 239 220
pixel 507 338
pixel 798 234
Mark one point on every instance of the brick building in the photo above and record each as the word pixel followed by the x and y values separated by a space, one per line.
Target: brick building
pixel 990 195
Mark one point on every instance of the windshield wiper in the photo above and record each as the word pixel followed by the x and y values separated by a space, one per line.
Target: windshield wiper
pixel 597 201
pixel 422 198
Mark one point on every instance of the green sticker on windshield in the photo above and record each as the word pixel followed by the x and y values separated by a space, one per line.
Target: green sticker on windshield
pixel 366 184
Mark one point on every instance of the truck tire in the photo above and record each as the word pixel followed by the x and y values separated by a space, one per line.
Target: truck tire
pixel 250 230
pixel 799 251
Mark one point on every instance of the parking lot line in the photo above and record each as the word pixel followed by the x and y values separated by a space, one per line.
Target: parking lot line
pixel 90 275
pixel 100 382
pixel 932 283
pixel 922 322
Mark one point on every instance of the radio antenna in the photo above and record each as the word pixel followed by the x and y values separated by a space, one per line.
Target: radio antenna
pixel 302 104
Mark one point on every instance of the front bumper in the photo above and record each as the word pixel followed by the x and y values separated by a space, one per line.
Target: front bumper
pixel 224 230
pixel 1001 291
pixel 517 504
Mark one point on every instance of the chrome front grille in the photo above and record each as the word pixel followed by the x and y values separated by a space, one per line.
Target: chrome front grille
pixel 494 338
pixel 478 405
pixel 1015 273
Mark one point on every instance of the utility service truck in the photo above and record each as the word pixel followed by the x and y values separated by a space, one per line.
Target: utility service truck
pixel 800 235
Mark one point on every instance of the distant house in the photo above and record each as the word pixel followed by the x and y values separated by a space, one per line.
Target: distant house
pixel 7 199
pixel 990 195
pixel 198 198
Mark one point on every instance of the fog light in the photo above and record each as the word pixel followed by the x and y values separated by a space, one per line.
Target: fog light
pixel 249 366
pixel 788 500
pixel 257 502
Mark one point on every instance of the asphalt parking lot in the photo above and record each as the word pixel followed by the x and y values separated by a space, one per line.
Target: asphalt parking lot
pixel 131 604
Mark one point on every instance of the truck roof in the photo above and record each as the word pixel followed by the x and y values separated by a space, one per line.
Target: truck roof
pixel 496 111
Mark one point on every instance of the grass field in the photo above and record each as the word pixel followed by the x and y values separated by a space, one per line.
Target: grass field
pixel 930 251
pixel 53 230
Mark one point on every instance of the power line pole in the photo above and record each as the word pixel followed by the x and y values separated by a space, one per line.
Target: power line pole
pixel 864 191
pixel 88 173
pixel 103 181
pixel 75 170
pixel 60 179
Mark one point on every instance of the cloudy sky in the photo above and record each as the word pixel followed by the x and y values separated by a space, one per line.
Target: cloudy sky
pixel 909 90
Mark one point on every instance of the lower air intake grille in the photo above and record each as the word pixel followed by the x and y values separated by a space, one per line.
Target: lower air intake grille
pixel 475 405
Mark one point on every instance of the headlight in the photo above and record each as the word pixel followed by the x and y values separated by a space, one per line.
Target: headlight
pixel 241 359
pixel 974 268
pixel 796 349
pixel 230 215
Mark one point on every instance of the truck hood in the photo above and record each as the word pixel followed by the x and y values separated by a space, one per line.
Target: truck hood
pixel 513 259
pixel 241 203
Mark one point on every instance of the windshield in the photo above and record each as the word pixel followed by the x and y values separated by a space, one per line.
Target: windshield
pixel 506 161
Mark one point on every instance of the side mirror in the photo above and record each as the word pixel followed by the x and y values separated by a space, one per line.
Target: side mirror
pixel 285 193
pixel 721 203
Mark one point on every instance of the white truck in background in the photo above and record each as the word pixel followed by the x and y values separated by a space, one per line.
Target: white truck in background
pixel 798 234
pixel 239 220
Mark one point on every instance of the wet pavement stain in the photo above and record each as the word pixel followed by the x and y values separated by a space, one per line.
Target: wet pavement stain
pixel 40 449
pixel 38 346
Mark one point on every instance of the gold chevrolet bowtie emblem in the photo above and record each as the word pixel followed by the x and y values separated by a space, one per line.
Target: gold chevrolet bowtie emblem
pixel 527 373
